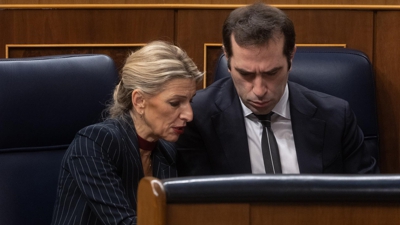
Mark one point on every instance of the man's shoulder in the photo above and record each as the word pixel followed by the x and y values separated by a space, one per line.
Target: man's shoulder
pixel 214 88
pixel 298 91
pixel 307 101
pixel 207 98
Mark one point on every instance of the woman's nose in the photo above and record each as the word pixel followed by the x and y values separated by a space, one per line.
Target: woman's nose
pixel 187 113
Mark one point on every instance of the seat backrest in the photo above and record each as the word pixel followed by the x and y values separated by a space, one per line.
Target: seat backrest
pixel 341 72
pixel 44 101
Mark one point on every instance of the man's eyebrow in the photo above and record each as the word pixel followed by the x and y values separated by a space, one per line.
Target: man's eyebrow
pixel 243 71
pixel 273 70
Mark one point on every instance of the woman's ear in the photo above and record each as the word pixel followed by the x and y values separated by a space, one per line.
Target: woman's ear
pixel 138 101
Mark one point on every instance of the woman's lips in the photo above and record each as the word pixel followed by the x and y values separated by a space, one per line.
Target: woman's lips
pixel 179 130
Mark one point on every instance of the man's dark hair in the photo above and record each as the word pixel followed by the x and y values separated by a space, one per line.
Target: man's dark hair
pixel 256 24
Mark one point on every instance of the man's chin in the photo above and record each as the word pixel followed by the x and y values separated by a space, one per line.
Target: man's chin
pixel 259 110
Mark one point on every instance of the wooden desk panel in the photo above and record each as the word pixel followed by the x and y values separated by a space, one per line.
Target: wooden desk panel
pixel 353 28
pixel 159 205
pixel 207 26
pixel 325 213
pixel 284 213
pixel 85 26
pixel 387 71
pixel 210 214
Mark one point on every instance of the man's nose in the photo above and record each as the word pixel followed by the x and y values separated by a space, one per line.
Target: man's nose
pixel 259 86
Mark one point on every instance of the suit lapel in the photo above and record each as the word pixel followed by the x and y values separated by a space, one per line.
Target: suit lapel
pixel 308 131
pixel 229 125
pixel 163 163
pixel 132 142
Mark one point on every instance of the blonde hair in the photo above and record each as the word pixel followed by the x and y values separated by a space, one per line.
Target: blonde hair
pixel 148 69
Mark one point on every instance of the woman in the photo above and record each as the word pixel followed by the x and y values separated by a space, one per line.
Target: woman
pixel 103 165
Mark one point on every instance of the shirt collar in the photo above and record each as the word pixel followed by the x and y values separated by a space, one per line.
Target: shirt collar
pixel 282 108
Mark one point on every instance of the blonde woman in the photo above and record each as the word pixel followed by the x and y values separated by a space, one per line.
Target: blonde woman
pixel 103 165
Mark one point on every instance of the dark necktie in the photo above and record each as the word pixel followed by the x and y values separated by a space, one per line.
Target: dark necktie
pixel 269 146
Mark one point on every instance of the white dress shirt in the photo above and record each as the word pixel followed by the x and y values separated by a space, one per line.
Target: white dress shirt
pixel 281 125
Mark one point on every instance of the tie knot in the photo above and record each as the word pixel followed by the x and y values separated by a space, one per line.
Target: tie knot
pixel 265 119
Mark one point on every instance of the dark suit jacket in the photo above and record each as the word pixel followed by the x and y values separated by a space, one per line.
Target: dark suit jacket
pixel 101 171
pixel 325 131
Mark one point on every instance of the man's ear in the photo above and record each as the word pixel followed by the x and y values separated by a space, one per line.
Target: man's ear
pixel 292 56
pixel 227 59
pixel 138 101
pixel 294 52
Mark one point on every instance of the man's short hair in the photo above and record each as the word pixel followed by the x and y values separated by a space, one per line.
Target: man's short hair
pixel 255 25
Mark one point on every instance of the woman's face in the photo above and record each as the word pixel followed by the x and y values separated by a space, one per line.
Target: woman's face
pixel 166 114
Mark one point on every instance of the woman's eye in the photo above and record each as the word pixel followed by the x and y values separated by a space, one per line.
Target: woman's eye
pixel 174 104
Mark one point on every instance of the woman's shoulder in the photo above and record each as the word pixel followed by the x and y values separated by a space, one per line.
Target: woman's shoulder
pixel 106 136
pixel 112 128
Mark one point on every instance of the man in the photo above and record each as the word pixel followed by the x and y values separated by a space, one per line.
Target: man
pixel 314 132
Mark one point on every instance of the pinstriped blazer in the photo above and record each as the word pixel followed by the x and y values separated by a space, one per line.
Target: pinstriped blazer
pixel 100 173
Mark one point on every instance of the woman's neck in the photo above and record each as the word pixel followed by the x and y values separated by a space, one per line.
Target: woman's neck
pixel 146 145
pixel 146 142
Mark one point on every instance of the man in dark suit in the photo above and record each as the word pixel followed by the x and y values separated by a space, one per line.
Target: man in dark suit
pixel 314 132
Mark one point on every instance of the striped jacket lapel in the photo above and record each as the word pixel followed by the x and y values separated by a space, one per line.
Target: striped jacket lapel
pixel 164 161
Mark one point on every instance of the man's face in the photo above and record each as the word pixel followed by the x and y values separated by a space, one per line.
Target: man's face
pixel 260 74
